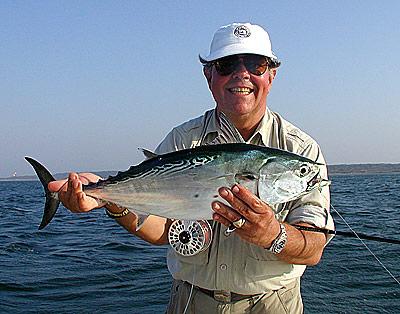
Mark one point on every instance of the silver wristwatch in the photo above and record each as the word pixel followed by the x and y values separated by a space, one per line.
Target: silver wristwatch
pixel 280 242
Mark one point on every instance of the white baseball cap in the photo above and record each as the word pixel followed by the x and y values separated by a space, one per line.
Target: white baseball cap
pixel 240 38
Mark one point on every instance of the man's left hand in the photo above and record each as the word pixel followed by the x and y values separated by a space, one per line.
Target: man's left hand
pixel 261 227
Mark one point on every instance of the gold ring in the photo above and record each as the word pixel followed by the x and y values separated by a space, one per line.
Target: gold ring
pixel 239 223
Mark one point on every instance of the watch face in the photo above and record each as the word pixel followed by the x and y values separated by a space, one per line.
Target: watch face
pixel 280 242
pixel 280 245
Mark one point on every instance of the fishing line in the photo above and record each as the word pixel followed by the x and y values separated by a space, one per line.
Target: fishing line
pixel 79 178
pixel 347 234
pixel 191 289
pixel 62 186
pixel 366 246
pixel 359 238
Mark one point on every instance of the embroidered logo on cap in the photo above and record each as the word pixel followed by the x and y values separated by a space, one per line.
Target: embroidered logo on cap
pixel 242 31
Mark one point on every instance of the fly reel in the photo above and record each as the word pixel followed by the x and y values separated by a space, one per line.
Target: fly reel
pixel 189 237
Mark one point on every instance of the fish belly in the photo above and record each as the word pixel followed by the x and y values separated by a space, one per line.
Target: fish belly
pixel 187 196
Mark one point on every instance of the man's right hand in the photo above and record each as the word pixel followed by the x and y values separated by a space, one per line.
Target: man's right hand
pixel 154 230
pixel 70 192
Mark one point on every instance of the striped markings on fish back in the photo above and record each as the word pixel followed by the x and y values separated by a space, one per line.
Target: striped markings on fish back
pixel 173 167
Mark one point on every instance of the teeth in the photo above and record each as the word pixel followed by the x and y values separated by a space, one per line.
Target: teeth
pixel 240 90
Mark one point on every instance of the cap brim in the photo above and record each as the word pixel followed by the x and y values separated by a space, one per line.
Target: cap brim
pixel 235 50
pixel 275 63
pixel 202 60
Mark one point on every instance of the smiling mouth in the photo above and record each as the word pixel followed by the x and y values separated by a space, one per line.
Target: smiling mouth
pixel 241 90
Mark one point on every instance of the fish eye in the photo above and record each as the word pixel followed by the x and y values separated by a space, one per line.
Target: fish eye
pixel 304 169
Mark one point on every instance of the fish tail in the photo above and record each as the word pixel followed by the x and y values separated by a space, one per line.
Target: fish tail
pixel 52 201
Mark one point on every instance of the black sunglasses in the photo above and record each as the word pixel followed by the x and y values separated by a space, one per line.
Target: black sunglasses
pixel 255 64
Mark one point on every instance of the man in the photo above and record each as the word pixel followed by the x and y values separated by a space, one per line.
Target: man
pixel 257 269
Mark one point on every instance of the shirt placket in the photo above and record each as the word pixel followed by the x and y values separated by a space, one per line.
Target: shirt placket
pixel 224 261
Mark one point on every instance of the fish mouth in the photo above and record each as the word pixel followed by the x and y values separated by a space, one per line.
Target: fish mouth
pixel 317 181
pixel 241 90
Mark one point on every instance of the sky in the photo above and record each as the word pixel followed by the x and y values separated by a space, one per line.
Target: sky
pixel 84 84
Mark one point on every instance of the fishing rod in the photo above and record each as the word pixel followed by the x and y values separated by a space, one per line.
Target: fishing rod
pixel 354 234
pixel 348 234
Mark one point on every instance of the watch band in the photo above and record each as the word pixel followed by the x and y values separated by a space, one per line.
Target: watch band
pixel 280 242
pixel 117 215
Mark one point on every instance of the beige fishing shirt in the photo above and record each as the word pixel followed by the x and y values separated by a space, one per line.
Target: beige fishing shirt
pixel 230 263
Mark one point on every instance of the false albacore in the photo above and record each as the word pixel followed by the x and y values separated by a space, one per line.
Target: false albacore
pixel 182 184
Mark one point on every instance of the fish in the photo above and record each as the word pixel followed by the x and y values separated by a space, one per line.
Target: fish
pixel 183 184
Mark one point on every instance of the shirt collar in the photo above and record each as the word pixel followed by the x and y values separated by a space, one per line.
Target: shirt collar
pixel 260 134
pixel 263 130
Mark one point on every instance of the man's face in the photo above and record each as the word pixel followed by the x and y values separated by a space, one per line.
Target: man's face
pixel 240 94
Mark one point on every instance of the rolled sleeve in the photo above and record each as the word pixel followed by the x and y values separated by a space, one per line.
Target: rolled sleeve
pixel 313 208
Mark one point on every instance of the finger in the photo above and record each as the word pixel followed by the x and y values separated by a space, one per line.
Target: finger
pixel 78 199
pixel 73 187
pixel 76 185
pixel 70 197
pixel 251 200
pixel 226 213
pixel 227 223
pixel 87 178
pixel 86 203
pixel 236 203
pixel 71 178
pixel 221 219
pixel 55 186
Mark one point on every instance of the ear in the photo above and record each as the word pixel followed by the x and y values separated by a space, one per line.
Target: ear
pixel 207 71
pixel 272 74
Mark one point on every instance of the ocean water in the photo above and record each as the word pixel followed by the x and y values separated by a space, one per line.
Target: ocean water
pixel 86 263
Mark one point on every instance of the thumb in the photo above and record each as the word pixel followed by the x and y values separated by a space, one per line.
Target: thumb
pixel 55 186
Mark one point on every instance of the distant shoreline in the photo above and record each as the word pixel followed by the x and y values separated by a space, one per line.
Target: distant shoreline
pixel 383 168
pixel 103 174
pixel 340 169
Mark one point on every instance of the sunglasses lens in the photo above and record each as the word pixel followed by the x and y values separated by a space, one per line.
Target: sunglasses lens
pixel 255 64
pixel 225 66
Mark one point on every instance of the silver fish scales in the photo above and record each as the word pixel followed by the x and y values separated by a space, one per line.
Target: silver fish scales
pixel 182 184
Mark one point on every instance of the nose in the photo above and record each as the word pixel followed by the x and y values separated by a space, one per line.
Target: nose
pixel 241 71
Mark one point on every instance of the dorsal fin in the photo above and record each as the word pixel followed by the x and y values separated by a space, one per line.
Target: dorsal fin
pixel 148 153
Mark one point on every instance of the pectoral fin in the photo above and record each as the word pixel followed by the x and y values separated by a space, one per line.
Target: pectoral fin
pixel 246 177
pixel 248 180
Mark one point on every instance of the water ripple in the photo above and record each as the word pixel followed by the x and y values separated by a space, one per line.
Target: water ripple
pixel 88 264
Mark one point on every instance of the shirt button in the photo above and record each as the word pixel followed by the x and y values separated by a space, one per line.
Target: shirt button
pixel 223 266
